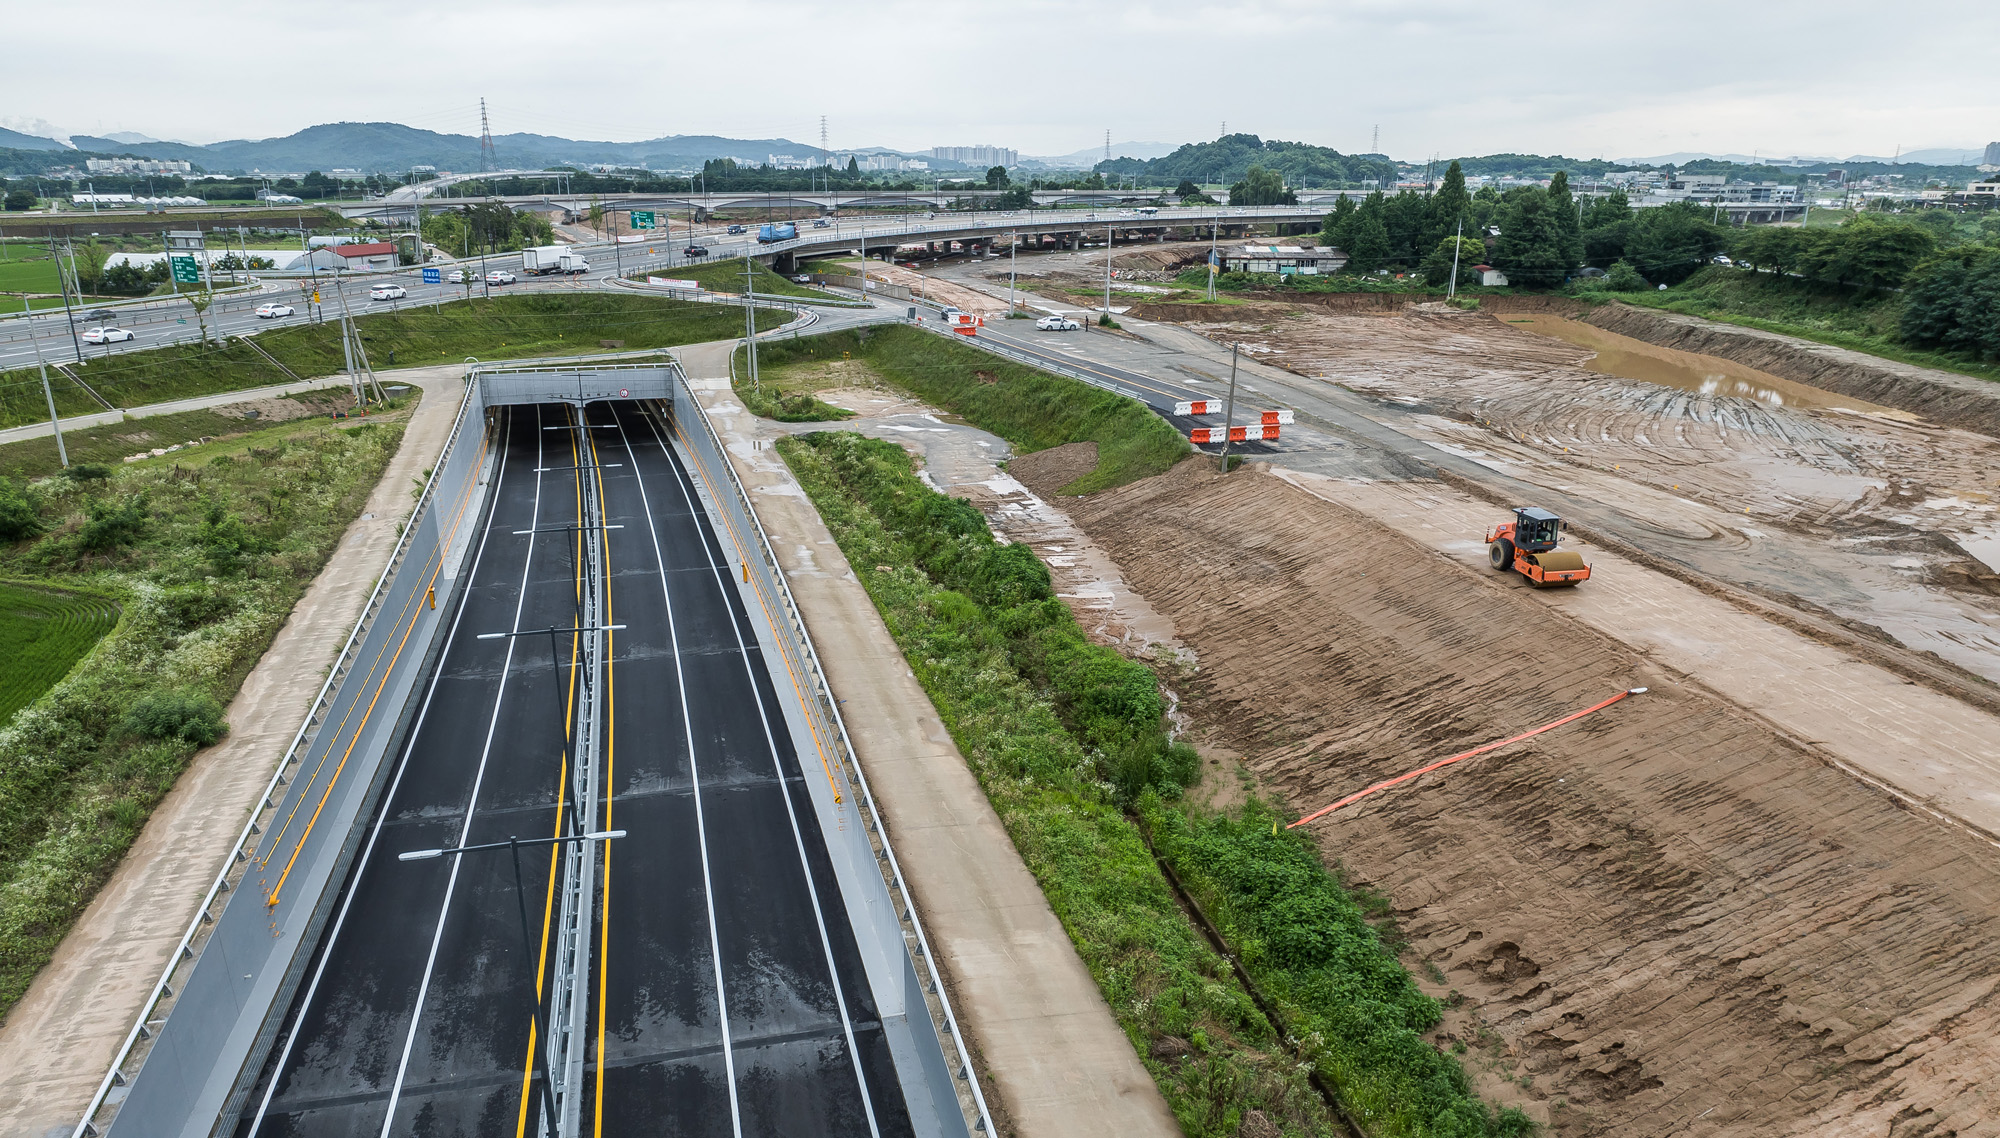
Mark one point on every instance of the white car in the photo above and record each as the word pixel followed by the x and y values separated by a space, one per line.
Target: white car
pixel 273 311
pixel 499 276
pixel 387 292
pixel 105 335
pixel 457 276
pixel 1057 324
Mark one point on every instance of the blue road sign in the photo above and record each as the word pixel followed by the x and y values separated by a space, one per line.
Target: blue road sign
pixel 433 276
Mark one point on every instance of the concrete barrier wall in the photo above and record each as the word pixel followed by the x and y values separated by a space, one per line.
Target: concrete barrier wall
pixel 236 971
pixel 936 1074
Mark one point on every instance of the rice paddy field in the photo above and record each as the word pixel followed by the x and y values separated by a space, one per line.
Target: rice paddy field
pixel 43 633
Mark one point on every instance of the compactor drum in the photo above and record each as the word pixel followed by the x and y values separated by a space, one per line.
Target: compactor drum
pixel 1527 545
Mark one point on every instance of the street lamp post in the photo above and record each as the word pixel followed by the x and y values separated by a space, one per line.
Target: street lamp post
pixel 513 845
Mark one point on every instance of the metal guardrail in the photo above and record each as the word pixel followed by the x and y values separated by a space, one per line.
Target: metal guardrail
pixel 829 729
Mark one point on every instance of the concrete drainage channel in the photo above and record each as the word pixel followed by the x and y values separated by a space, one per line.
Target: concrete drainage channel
pixel 209 1025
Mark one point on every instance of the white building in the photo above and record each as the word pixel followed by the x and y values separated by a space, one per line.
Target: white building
pixel 136 166
pixel 978 155
pixel 1285 260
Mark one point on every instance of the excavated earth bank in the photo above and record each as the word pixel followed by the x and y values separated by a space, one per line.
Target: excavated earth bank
pixel 1940 396
pixel 1675 919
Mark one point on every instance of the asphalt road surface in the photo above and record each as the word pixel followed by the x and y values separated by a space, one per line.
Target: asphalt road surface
pixel 726 993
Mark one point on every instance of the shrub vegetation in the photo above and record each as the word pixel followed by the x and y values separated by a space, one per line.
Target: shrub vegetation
pixel 1067 738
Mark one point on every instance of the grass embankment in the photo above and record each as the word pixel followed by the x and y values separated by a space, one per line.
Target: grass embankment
pixel 504 327
pixel 43 633
pixel 1862 320
pixel 727 276
pixel 206 555
pixel 1066 739
pixel 1031 409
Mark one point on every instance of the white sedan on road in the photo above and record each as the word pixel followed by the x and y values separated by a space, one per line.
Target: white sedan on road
pixel 273 311
pixel 499 276
pixel 456 276
pixel 387 292
pixel 105 335
pixel 1057 324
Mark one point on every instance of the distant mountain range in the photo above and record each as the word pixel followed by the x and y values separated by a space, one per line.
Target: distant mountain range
pixel 15 140
pixel 1932 156
pixel 381 146
pixel 1087 158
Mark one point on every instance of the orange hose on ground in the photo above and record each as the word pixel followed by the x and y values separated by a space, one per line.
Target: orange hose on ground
pixel 1402 778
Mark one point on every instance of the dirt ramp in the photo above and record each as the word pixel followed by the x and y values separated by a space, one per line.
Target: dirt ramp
pixel 1940 396
pixel 1675 920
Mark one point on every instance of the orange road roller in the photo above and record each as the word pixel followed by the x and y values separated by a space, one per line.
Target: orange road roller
pixel 1527 545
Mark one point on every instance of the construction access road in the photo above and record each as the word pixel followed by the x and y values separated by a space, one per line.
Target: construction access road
pixel 1755 900
pixel 726 993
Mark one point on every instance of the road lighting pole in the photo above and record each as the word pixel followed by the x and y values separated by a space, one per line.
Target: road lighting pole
pixel 28 314
pixel 1229 408
pixel 513 845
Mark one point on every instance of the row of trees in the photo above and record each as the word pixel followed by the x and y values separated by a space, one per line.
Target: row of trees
pixel 1952 302
pixel 1870 251
pixel 490 227
pixel 1544 235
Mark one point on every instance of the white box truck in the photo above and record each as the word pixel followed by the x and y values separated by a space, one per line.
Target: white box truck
pixel 537 260
pixel 574 263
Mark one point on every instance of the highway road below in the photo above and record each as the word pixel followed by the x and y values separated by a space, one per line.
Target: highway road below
pixel 726 994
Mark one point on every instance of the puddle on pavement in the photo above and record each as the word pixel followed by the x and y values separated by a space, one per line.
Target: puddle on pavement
pixel 1629 358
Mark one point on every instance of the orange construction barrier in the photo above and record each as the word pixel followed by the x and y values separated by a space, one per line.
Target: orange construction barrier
pixel 1402 778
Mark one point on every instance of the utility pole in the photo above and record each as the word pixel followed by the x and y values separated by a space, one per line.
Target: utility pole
pixel 1229 407
pixel 67 311
pixel 750 315
pixel 1214 227
pixel 1107 267
pixel 1013 251
pixel 1452 289
pixel 47 393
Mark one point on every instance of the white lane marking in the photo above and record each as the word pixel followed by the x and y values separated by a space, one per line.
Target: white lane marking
pixel 771 742
pixel 694 772
pixel 403 764
pixel 471 807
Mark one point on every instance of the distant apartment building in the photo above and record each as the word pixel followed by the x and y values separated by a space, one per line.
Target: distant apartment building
pixel 978 155
pixel 788 162
pixel 889 162
pixel 136 166
pixel 1992 154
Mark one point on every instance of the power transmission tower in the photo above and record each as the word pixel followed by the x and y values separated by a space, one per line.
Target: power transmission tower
pixel 487 161
pixel 1107 144
pixel 823 159
pixel 1374 140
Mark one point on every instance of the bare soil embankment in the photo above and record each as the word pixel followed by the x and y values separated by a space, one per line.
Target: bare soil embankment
pixel 1940 396
pixel 1674 919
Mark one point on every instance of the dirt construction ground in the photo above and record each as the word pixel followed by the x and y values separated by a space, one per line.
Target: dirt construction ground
pixel 1672 918
pixel 1762 898
pixel 1908 507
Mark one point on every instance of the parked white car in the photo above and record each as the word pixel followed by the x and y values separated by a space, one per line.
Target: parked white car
pixel 1057 324
pixel 105 335
pixel 387 292
pixel 273 311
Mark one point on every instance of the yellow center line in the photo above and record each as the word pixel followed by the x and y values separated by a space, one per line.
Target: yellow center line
pixel 555 851
pixel 610 770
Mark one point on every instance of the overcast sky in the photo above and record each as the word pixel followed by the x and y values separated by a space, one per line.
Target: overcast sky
pixel 1441 77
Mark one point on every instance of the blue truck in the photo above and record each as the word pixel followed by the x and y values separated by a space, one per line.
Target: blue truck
pixel 769 233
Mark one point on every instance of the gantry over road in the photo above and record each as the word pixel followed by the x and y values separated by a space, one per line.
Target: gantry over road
pixel 586 637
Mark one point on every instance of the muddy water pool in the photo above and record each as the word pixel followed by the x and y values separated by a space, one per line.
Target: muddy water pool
pixel 1630 358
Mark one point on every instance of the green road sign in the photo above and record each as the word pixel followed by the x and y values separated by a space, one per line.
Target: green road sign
pixel 642 219
pixel 186 271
